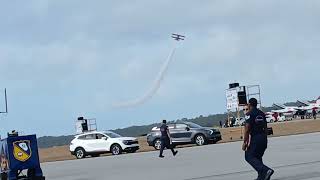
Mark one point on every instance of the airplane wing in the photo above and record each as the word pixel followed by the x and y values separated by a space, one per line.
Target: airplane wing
pixel 304 108
pixel 178 35
pixel 278 111
pixel 269 113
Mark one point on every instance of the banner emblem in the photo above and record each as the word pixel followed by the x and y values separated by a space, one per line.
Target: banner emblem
pixel 22 150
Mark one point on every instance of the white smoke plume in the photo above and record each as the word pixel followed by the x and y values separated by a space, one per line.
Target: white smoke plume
pixel 152 91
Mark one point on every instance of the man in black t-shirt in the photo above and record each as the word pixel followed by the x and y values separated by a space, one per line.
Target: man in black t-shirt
pixel 165 139
pixel 256 141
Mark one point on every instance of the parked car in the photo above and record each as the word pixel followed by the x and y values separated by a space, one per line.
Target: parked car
pixel 96 143
pixel 281 118
pixel 240 121
pixel 185 133
pixel 270 118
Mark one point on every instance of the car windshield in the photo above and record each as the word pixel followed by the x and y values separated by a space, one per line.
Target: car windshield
pixel 193 125
pixel 112 134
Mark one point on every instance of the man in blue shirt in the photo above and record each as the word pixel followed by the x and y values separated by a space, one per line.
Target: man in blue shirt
pixel 165 139
pixel 255 140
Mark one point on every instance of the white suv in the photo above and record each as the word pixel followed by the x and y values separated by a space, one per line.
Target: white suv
pixel 96 143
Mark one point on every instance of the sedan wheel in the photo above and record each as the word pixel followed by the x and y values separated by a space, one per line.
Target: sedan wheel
pixel 157 144
pixel 200 140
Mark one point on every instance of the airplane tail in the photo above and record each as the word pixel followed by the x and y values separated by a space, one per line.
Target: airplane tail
pixel 279 106
pixel 304 103
pixel 318 100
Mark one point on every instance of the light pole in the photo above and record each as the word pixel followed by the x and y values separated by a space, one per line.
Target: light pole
pixel 6 102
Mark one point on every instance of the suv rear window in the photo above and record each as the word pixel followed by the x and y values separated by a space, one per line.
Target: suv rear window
pixel 87 137
pixel 181 126
pixel 99 136
pixel 82 137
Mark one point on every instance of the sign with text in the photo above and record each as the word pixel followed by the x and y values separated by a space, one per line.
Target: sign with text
pixel 232 99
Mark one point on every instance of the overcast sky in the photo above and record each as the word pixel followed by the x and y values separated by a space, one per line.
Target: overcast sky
pixel 63 59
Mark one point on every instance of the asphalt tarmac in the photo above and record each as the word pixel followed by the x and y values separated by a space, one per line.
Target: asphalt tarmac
pixel 292 157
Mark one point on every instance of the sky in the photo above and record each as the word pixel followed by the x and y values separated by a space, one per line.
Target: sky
pixel 63 59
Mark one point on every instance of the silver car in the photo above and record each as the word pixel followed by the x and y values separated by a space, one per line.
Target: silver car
pixel 185 133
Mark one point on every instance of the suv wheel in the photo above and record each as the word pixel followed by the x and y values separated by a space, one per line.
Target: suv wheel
pixel 157 144
pixel 116 149
pixel 80 153
pixel 200 140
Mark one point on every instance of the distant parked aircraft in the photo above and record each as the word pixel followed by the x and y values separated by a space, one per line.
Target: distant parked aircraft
pixel 306 105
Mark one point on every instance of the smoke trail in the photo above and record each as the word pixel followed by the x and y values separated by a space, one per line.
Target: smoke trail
pixel 151 92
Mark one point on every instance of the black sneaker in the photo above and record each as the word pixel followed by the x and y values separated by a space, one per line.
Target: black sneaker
pixel 161 156
pixel 175 153
pixel 268 175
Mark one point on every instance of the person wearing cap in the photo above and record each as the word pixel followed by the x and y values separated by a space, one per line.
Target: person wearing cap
pixel 165 138
pixel 255 140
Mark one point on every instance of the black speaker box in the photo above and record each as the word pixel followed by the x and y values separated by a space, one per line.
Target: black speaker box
pixel 242 97
pixel 233 85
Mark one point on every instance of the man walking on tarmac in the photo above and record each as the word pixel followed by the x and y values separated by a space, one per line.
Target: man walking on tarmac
pixel 314 114
pixel 255 140
pixel 166 141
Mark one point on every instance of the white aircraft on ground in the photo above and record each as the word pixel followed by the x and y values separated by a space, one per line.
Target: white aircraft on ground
pixel 285 110
pixel 309 106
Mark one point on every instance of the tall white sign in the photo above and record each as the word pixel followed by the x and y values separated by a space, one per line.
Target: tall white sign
pixel 232 99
